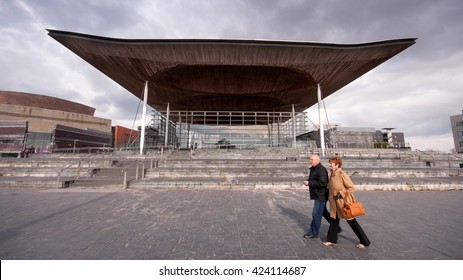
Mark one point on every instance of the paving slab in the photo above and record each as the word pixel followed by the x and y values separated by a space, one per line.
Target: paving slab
pixel 184 224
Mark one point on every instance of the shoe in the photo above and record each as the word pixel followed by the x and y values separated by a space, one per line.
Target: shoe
pixel 360 246
pixel 308 236
pixel 339 230
pixel 329 243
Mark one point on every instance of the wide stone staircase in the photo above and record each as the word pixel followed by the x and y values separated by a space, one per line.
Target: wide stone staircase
pixel 70 170
pixel 256 168
pixel 274 168
pixel 42 172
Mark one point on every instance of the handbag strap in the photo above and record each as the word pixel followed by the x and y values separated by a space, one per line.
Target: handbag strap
pixel 344 185
pixel 350 197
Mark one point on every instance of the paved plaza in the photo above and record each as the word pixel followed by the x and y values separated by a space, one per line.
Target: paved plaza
pixel 109 224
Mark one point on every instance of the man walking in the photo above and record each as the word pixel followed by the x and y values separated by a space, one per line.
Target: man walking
pixel 317 183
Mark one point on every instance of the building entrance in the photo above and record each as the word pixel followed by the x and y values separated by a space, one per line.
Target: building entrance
pixel 230 130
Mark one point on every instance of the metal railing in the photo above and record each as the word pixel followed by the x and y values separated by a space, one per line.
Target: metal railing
pixel 79 162
pixel 142 161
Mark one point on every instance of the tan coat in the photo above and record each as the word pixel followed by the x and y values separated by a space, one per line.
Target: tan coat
pixel 339 182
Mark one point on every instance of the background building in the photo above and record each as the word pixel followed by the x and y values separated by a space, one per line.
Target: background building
pixel 44 115
pixel 385 138
pixel 12 137
pixel 357 138
pixel 457 129
pixel 124 137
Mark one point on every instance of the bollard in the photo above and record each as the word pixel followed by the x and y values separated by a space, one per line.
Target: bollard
pixel 59 179
pixel 143 170
pixel 136 172
pixel 78 170
pixel 125 179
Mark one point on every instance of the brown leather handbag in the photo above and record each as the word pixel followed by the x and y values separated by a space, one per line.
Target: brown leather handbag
pixel 353 208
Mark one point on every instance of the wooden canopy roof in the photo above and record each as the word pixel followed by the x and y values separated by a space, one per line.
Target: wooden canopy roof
pixel 229 75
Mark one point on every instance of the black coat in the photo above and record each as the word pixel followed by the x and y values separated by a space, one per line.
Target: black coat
pixel 318 182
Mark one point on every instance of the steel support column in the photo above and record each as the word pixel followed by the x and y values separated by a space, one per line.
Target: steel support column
pixel 320 120
pixel 294 127
pixel 143 118
pixel 166 137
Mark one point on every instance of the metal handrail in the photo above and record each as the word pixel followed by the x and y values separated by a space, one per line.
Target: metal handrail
pixel 136 172
pixel 425 153
pixel 79 149
pixel 78 170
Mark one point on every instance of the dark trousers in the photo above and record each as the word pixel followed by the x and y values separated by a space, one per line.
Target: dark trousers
pixel 354 225
pixel 326 215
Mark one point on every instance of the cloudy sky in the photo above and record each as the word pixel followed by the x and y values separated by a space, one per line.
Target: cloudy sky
pixel 415 92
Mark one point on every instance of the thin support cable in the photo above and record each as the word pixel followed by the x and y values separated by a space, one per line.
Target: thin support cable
pixel 327 121
pixel 326 112
pixel 134 119
pixel 307 116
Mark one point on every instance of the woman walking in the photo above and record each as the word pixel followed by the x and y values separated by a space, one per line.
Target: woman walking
pixel 340 187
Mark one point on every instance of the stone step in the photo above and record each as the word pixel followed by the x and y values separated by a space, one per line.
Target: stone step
pixel 267 173
pixel 36 182
pixel 262 173
pixel 45 172
pixel 230 163
pixel 297 162
pixel 98 182
pixel 215 183
pixel 37 162
pixel 404 184
pixel 404 172
pixel 107 177
pixel 408 184
pixel 290 162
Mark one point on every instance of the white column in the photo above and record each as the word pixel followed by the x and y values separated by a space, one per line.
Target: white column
pixel 320 120
pixel 166 138
pixel 180 130
pixel 143 118
pixel 294 128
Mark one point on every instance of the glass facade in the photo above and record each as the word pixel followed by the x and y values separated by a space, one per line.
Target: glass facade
pixel 40 140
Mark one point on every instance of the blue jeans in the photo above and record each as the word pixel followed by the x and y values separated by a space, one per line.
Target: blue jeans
pixel 319 210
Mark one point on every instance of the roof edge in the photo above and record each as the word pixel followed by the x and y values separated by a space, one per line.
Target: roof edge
pixel 60 33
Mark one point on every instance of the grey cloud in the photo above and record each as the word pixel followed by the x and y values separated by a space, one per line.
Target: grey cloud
pixel 84 16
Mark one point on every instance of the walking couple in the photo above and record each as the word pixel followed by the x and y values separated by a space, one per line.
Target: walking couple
pixel 333 189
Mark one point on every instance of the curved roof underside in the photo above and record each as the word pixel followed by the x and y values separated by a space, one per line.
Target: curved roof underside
pixel 230 75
